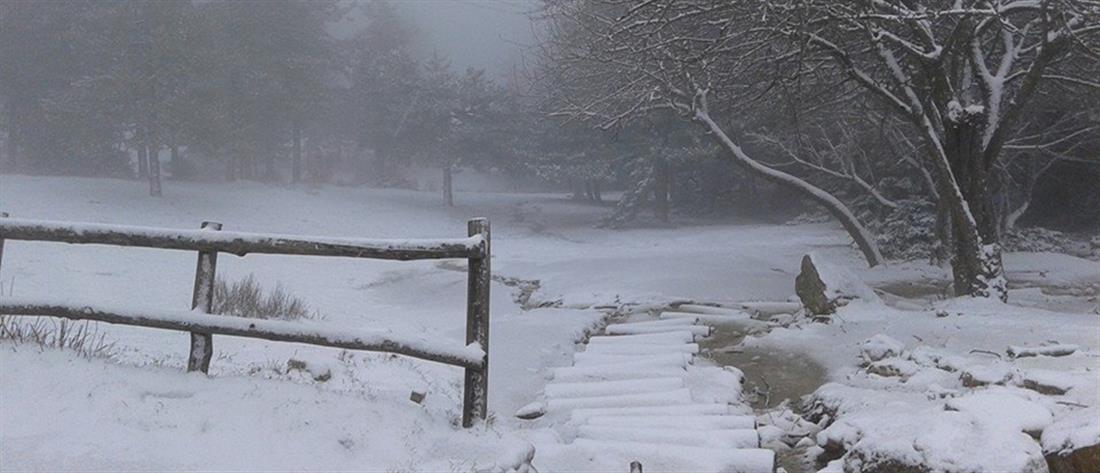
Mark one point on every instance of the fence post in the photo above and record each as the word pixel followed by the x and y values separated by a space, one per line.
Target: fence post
pixel 2 215
pixel 475 394
pixel 202 299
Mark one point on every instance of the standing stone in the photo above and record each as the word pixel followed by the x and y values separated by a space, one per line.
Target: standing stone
pixel 811 289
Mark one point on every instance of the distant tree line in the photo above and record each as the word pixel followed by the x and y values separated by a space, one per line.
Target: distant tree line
pixel 243 89
pixel 927 129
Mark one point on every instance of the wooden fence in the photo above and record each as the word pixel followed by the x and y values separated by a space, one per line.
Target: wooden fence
pixel 210 240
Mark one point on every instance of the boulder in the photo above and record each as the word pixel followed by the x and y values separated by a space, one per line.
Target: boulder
pixel 1082 460
pixel 880 347
pixel 811 289
pixel 823 287
pixel 1072 444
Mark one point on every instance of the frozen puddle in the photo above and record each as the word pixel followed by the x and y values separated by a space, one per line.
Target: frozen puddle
pixel 636 394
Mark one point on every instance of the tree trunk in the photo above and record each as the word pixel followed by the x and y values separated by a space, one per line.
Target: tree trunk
pixel 579 192
pixel 174 159
pixel 862 237
pixel 143 155
pixel 448 186
pixel 296 154
pixel 11 149
pixel 660 190
pixel 270 174
pixel 231 173
pixel 976 266
pixel 596 191
pixel 945 239
pixel 154 167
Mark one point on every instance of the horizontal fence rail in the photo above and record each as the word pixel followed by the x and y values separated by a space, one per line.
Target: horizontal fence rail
pixel 239 243
pixel 466 356
pixel 210 240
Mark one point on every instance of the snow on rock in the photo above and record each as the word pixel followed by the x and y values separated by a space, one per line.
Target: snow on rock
pixel 1072 443
pixel 884 431
pixel 926 437
pixel 1050 349
pixel 1012 409
pixel 924 355
pixel 879 347
pixel 1074 430
pixel 822 286
pixel 995 373
pixel 1051 381
pixel 894 367
pixel 533 410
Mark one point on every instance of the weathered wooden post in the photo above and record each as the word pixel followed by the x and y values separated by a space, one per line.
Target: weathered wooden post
pixel 475 395
pixel 202 299
pixel 2 215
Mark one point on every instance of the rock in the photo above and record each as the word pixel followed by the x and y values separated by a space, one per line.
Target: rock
pixel 1049 382
pixel 417 397
pixel 1072 443
pixel 984 375
pixel 531 411
pixel 893 367
pixel 823 287
pixel 1083 460
pixel 879 347
pixel 1046 349
pixel 811 289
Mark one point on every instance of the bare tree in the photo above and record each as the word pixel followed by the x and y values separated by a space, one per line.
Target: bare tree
pixel 963 74
pixel 613 62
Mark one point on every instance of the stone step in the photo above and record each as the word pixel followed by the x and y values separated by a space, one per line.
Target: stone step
pixel 716 438
pixel 663 338
pixel 585 359
pixel 622 329
pixel 581 415
pixel 657 323
pixel 617 371
pixel 706 309
pixel 641 349
pixel 727 460
pixel 690 422
pixel 664 398
pixel 610 388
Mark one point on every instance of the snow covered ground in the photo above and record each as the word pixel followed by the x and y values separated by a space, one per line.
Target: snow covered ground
pixel 136 411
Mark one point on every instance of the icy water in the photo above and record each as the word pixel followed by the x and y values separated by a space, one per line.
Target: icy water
pixel 770 377
pixel 773 375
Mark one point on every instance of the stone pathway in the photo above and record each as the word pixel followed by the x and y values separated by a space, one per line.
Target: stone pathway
pixel 635 394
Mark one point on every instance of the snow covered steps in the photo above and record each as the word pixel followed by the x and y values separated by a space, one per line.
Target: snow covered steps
pixel 628 398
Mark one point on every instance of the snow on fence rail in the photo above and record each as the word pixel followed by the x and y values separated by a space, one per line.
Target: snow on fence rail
pixel 209 241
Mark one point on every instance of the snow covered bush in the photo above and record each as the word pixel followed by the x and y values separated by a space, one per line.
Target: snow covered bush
pixel 908 232
pixel 246 298
pixel 1038 239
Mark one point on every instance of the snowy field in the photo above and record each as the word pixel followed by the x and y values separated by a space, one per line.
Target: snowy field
pixel 137 411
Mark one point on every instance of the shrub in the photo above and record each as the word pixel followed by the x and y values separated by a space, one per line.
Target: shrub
pixel 245 298
pixel 82 337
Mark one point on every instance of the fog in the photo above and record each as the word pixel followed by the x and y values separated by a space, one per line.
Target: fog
pixel 656 205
